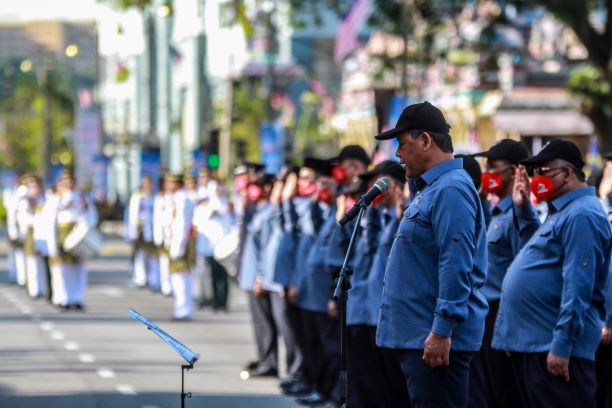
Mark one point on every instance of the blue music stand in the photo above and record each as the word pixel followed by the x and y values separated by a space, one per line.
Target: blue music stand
pixel 190 356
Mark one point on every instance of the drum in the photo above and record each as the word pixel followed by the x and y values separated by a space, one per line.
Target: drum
pixel 84 242
pixel 226 250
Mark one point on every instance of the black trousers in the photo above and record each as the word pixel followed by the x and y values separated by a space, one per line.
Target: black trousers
pixel 603 369
pixel 365 378
pixel 539 388
pixel 220 284
pixel 312 349
pixel 48 275
pixel 265 331
pixel 283 312
pixel 445 386
pixel 328 330
pixel 492 381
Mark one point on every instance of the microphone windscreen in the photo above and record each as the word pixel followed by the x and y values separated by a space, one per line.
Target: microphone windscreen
pixel 383 184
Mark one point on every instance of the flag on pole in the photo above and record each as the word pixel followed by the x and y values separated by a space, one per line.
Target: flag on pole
pixel 346 41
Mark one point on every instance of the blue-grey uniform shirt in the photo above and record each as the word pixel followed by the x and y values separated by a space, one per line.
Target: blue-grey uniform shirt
pixel 505 238
pixel 285 259
pixel 310 223
pixel 357 311
pixel 437 265
pixel 271 248
pixel 257 233
pixel 315 286
pixel 554 293
pixel 377 271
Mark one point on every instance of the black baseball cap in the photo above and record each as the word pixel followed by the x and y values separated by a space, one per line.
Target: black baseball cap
pixel 388 167
pixel 506 149
pixel 265 179
pixel 323 167
pixel 557 149
pixel 418 116
pixel 352 152
pixel 608 155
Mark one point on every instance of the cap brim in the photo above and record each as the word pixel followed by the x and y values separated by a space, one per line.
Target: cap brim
pixel 488 154
pixel 369 174
pixel 390 134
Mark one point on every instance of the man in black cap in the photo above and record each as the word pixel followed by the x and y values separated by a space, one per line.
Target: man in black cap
pixel 491 378
pixel 552 305
pixel 432 308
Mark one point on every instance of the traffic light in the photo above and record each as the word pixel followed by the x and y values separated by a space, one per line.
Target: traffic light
pixel 212 149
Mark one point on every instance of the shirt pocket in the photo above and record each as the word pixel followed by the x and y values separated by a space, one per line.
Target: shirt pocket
pixel 544 243
pixel 495 235
pixel 408 225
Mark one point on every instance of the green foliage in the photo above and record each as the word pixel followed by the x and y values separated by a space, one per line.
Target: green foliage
pixel 591 86
pixel 22 110
pixel 128 4
pixel 249 110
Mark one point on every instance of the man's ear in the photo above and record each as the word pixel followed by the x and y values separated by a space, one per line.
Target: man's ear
pixel 426 141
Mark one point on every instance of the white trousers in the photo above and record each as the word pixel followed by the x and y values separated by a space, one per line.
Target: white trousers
pixel 69 283
pixel 183 299
pixel 20 266
pixel 164 275
pixel 37 275
pixel 139 269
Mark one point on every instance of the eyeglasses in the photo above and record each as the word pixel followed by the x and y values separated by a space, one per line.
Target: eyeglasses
pixel 538 171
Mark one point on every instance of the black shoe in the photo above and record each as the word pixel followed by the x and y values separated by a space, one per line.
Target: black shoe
pixel 297 389
pixel 263 372
pixel 251 365
pixel 314 399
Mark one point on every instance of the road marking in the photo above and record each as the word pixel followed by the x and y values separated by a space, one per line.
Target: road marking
pixel 26 310
pixel 71 346
pixel 36 317
pixel 57 335
pixel 106 373
pixel 149 406
pixel 46 326
pixel 125 389
pixel 87 358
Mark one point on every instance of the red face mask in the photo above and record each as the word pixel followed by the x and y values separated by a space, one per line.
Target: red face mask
pixel 339 174
pixel 542 187
pixel 325 195
pixel 380 198
pixel 306 190
pixel 492 182
pixel 254 192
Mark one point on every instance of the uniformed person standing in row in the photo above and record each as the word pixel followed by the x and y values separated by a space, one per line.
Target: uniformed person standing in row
pixel 161 220
pixel 492 380
pixel 179 245
pixel 140 234
pixel 29 210
pixel 552 307
pixel 432 309
pixel 65 211
pixel 16 258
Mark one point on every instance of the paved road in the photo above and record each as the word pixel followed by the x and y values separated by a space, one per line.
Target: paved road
pixel 102 358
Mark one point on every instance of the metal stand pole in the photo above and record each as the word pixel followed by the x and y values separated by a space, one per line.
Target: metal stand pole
pixel 341 294
pixel 183 395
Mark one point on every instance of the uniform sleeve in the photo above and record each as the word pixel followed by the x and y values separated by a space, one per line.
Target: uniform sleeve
pixel 581 265
pixel 487 211
pixel 526 221
pixel 454 232
pixel 181 228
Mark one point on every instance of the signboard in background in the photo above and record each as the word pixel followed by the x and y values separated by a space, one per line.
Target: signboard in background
pixel 272 145
pixel 99 188
pixel 87 137
pixel 200 158
pixel 150 164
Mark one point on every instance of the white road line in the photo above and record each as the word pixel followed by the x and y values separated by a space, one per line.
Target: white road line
pixel 26 310
pixel 57 335
pixel 125 389
pixel 87 358
pixel 106 373
pixel 71 346
pixel 46 326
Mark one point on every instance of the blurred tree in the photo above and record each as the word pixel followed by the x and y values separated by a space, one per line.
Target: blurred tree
pixel 127 4
pixel 248 113
pixel 22 110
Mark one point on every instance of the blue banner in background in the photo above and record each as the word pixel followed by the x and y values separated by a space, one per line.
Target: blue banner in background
pixel 200 158
pixel 150 164
pixel 272 144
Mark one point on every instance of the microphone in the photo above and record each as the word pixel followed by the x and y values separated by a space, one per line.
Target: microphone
pixel 381 185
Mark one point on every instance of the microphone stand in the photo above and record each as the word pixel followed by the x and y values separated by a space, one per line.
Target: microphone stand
pixel 341 294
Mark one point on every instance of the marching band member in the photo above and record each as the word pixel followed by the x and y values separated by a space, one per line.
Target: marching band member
pixel 161 204
pixel 140 234
pixel 29 210
pixel 66 210
pixel 179 245
pixel 16 258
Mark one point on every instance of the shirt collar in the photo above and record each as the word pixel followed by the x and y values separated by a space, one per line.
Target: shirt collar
pixel 504 205
pixel 568 197
pixel 435 172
